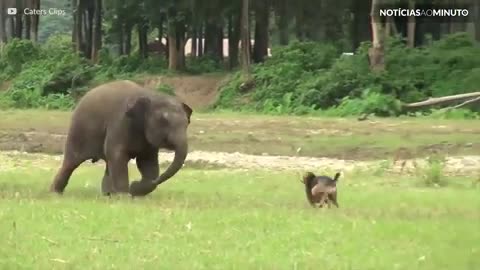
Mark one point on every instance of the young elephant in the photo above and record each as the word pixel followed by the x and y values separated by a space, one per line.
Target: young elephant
pixel 121 120
pixel 321 189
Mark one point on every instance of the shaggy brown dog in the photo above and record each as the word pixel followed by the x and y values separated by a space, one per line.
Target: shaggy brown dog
pixel 321 189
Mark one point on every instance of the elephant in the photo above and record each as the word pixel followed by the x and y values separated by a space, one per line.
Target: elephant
pixel 119 121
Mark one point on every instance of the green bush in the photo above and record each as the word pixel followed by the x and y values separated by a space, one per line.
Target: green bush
pixel 203 64
pixel 281 80
pixel 307 77
pixel 52 72
pixel 15 54
pixel 370 102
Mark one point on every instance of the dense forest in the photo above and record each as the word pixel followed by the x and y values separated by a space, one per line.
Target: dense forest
pixel 294 56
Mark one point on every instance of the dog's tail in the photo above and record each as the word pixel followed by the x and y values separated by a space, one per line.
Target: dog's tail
pixel 337 175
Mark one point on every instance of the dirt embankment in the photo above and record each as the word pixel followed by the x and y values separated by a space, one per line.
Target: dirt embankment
pixel 197 91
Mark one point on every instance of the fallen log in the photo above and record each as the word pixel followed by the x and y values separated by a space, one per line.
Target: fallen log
pixel 467 98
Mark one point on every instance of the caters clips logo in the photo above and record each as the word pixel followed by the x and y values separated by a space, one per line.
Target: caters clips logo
pixel 11 11
pixel 40 12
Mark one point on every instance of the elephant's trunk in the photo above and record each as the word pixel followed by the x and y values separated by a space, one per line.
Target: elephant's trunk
pixel 144 187
pixel 177 163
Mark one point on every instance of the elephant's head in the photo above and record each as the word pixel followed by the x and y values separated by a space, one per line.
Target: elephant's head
pixel 164 122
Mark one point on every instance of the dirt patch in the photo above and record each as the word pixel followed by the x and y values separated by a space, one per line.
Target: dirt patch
pixel 198 92
pixel 460 165
pixel 205 140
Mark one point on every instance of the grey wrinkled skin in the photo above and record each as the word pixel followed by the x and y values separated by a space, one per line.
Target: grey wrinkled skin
pixel 119 121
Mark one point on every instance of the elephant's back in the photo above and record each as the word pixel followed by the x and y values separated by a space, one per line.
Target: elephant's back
pixel 96 109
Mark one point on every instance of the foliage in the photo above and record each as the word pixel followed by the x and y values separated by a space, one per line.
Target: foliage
pixel 280 80
pixel 203 64
pixel 48 80
pixel 370 102
pixel 307 77
pixel 53 76
pixel 432 173
pixel 15 54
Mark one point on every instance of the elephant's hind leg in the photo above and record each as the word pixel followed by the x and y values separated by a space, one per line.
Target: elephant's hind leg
pixel 107 184
pixel 69 164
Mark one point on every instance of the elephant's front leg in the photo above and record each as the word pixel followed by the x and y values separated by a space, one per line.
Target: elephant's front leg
pixel 117 165
pixel 147 164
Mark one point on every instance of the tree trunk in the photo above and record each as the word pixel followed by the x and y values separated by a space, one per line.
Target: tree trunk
pixel 160 31
pixel 35 21
pixel 476 18
pixel 97 30
pixel 172 52
pixel 121 40
pixel 3 19
pixel 233 40
pixel 28 22
pixel 128 39
pixel 142 29
pixel 78 20
pixel 260 48
pixel 200 41
pixel 193 49
pixel 74 28
pixel 411 26
pixel 176 59
pixel 388 27
pixel 245 36
pixel 176 43
pixel 89 32
pixel 299 32
pixel 361 25
pixel 376 52
pixel 282 22
pixel 18 24
pixel 11 27
pixel 212 48
pixel 220 42
pixel 473 26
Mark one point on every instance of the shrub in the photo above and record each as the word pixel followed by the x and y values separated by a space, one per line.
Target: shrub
pixel 371 102
pixel 281 79
pixel 432 173
pixel 203 64
pixel 307 77
pixel 16 53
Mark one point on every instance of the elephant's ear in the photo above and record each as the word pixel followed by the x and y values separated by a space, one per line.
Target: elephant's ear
pixel 187 110
pixel 137 106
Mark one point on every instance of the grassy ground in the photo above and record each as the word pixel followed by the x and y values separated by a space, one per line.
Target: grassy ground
pixel 231 219
pixel 318 137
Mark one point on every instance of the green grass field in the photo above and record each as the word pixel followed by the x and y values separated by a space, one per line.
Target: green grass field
pixel 233 219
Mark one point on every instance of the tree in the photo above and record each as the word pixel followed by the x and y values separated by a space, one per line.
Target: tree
pixel 282 20
pixel 411 26
pixel 3 19
pixel 176 38
pixel 376 52
pixel 97 30
pixel 260 47
pixel 245 37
